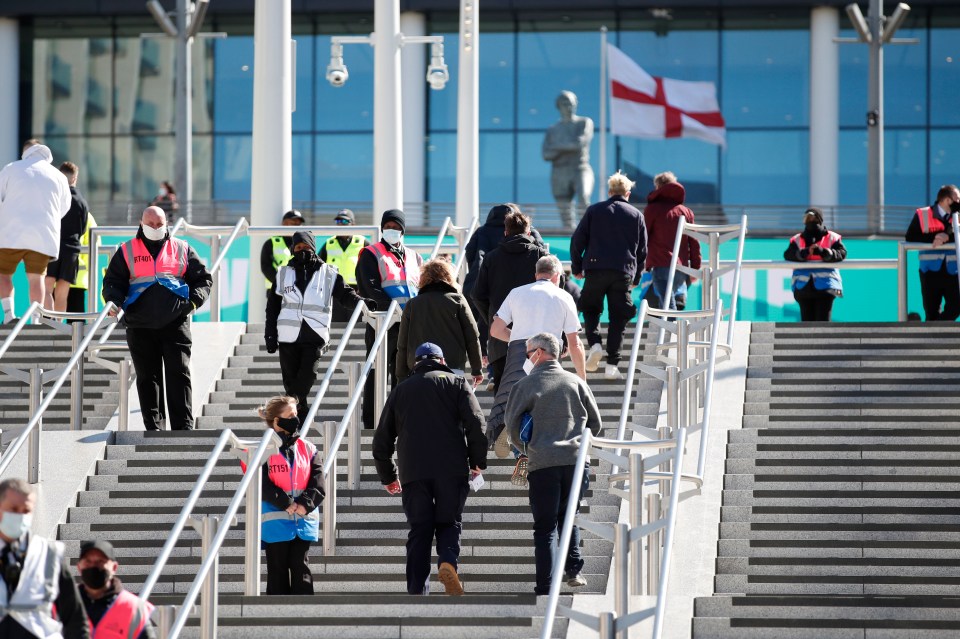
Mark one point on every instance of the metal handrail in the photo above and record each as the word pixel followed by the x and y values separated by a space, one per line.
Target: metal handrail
pixel 15 447
pixel 8 342
pixel 211 558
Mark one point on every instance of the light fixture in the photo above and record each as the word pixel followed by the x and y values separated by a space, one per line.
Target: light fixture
pixel 437 72
pixel 858 21
pixel 166 25
pixel 895 21
pixel 337 74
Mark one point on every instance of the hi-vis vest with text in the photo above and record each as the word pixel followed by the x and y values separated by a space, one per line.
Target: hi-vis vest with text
pixel 397 280
pixel 279 525
pixel 824 279
pixel 31 605
pixel 345 260
pixel 312 306
pixel 167 270
pixel 83 271
pixel 930 261
pixel 126 618
pixel 281 254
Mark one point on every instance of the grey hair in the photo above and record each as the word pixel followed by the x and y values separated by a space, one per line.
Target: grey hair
pixel 547 341
pixel 549 265
pixel 19 486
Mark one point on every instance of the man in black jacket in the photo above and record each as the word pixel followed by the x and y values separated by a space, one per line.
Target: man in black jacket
pixel 101 589
pixel 62 272
pixel 277 251
pixel 938 268
pixel 157 311
pixel 304 299
pixel 513 263
pixel 433 421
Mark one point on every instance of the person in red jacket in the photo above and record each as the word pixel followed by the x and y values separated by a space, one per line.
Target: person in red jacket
pixel 662 216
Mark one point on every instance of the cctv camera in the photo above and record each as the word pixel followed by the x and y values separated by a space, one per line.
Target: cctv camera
pixel 437 76
pixel 337 75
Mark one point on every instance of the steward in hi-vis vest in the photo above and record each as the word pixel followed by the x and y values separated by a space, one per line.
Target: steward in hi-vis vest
pixel 298 315
pixel 938 268
pixel 816 288
pixel 158 281
pixel 276 251
pixel 112 612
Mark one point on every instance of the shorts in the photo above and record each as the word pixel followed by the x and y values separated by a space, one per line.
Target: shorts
pixel 66 266
pixel 35 263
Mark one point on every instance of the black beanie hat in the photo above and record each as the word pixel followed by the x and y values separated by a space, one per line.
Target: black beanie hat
pixel 394 215
pixel 307 238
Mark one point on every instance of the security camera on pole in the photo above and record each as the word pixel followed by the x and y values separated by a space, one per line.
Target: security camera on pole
pixel 876 30
pixel 387 41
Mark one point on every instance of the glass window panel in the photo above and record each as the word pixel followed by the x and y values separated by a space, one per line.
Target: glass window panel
pixel 680 55
pixel 233 160
pixel 765 78
pixel 92 155
pixel 905 156
pixel 140 163
pixel 548 63
pixel 202 80
pixel 344 167
pixel 72 86
pixel 233 85
pixel 944 76
pixel 202 167
pixel 695 164
pixel 350 107
pixel 533 172
pixel 765 167
pixel 441 168
pixel 303 115
pixel 944 160
pixel 302 156
pixel 496 167
pixel 144 97
pixel 496 97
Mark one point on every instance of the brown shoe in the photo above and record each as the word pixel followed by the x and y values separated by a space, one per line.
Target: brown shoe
pixel 449 579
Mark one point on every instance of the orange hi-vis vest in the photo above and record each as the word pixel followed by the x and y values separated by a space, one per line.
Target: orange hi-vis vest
pixel 125 619
pixel 398 280
pixel 167 270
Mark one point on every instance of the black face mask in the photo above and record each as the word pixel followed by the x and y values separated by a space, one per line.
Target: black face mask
pixel 812 227
pixel 955 207
pixel 94 577
pixel 305 256
pixel 289 425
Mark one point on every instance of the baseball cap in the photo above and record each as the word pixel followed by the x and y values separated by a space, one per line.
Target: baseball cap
pixel 103 546
pixel 293 215
pixel 428 349
pixel 344 214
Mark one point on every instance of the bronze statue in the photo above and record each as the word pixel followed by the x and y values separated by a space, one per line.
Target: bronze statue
pixel 567 145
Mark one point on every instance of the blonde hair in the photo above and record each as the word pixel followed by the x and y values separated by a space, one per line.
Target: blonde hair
pixel 437 270
pixel 619 184
pixel 273 407
pixel 666 177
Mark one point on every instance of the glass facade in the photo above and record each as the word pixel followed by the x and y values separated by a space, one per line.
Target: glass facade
pixel 103 97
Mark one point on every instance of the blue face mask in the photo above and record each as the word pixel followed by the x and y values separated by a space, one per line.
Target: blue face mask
pixel 15 525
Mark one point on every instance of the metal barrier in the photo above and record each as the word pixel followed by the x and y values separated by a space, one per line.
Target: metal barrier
pixel 38 403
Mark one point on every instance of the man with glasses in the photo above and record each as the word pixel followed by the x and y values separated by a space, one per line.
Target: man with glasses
pixel 343 252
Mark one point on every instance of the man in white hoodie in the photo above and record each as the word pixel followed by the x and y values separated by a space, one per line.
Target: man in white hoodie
pixel 34 195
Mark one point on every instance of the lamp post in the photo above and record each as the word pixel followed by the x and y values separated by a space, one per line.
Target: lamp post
pixel 876 30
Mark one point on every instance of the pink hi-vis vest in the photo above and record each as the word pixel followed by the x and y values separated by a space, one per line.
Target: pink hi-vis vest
pixel 824 279
pixel 125 619
pixel 827 241
pixel 167 270
pixel 930 222
pixel 400 281
pixel 278 525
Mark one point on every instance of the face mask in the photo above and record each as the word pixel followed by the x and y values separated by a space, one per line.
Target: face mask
pixel 152 234
pixel 15 525
pixel 289 425
pixel 955 207
pixel 392 236
pixel 94 577
pixel 162 191
pixel 812 227
pixel 305 256
pixel 528 366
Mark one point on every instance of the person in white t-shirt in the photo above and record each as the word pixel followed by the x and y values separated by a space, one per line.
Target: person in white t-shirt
pixel 541 307
pixel 34 195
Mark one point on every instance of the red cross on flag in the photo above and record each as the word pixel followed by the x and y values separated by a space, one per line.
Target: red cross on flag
pixel 643 106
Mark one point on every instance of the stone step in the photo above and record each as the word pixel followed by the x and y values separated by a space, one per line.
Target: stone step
pixel 892 585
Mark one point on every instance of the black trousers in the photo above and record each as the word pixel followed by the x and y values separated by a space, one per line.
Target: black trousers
pixel 368 338
pixel 615 286
pixel 815 305
pixel 434 508
pixel 938 286
pixel 288 568
pixel 299 366
pixel 158 354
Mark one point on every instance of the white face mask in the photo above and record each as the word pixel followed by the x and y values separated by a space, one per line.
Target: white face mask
pixel 392 236
pixel 528 366
pixel 15 525
pixel 153 234
pixel 162 191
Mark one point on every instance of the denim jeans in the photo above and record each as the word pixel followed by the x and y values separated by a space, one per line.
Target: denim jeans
pixel 549 490
pixel 660 275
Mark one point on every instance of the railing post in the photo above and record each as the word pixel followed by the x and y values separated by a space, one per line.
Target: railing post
pixel 621 596
pixel 123 376
pixel 165 617
pixel 207 526
pixel 353 430
pixel 251 580
pixel 33 454
pixel 76 378
pixel 380 365
pixel 330 487
pixel 653 544
pixel 683 363
pixel 606 625
pixel 636 521
pixel 217 280
pixel 902 282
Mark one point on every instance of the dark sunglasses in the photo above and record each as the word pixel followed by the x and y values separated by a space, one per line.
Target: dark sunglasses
pixel 341 222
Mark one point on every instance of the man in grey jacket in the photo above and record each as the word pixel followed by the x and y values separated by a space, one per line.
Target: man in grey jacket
pixel 561 406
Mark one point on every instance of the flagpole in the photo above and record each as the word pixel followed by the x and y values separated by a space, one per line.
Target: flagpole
pixel 603 112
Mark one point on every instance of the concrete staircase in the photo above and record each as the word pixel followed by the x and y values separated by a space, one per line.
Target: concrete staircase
pixel 841 502
pixel 140 486
pixel 42 346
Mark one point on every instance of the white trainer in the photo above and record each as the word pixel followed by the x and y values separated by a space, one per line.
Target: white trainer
pixel 612 372
pixel 594 355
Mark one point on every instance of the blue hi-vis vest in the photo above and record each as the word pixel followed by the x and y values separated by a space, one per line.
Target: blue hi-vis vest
pixel 824 279
pixel 932 261
pixel 278 525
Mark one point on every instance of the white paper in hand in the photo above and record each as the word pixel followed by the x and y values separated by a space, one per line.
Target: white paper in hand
pixel 477 482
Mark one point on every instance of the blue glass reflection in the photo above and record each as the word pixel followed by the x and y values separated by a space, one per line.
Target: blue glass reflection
pixel 765 167
pixel 233 85
pixel 496 167
pixel 548 63
pixel 905 155
pixel 681 55
pixel 944 159
pixel 344 167
pixel 944 78
pixel 695 163
pixel 350 107
pixel 232 162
